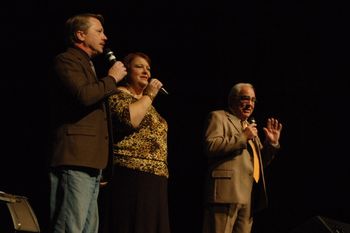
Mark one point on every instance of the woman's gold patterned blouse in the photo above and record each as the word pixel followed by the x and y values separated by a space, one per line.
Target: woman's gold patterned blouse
pixel 143 148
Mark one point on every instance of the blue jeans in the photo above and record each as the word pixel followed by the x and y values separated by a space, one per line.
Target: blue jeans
pixel 73 200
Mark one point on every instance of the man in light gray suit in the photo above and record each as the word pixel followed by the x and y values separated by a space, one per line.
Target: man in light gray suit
pixel 230 140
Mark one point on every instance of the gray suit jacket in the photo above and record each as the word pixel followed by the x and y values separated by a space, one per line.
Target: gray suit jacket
pixel 230 174
pixel 80 135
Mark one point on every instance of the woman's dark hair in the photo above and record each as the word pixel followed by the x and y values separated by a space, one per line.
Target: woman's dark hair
pixel 131 56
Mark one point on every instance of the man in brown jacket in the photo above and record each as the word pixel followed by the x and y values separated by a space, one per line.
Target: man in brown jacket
pixel 80 135
pixel 229 144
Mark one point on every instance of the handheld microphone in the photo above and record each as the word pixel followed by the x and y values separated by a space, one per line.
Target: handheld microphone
pixel 110 56
pixel 251 120
pixel 163 91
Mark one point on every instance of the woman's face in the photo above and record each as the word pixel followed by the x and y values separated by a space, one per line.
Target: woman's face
pixel 139 73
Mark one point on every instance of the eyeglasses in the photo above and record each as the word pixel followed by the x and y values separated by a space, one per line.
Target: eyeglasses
pixel 245 98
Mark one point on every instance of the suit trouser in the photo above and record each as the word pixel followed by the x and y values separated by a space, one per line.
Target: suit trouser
pixel 227 218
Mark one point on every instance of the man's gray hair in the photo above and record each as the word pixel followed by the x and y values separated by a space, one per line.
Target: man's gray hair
pixel 235 90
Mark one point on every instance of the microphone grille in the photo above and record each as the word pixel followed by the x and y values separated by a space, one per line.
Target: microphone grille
pixel 110 55
pixel 251 120
pixel 108 50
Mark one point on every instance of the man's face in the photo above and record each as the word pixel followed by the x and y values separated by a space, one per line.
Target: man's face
pixel 245 103
pixel 94 38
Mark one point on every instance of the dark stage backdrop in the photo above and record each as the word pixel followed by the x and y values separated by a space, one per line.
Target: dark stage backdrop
pixel 294 52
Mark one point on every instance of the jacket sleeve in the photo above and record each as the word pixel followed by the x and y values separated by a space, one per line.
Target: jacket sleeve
pixel 81 82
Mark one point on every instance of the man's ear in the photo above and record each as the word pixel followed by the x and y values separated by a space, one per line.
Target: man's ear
pixel 80 36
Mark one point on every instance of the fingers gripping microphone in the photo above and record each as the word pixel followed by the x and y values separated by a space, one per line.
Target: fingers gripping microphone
pixel 163 91
pixel 110 56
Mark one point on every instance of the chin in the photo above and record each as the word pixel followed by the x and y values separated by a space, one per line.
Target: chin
pixel 247 115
